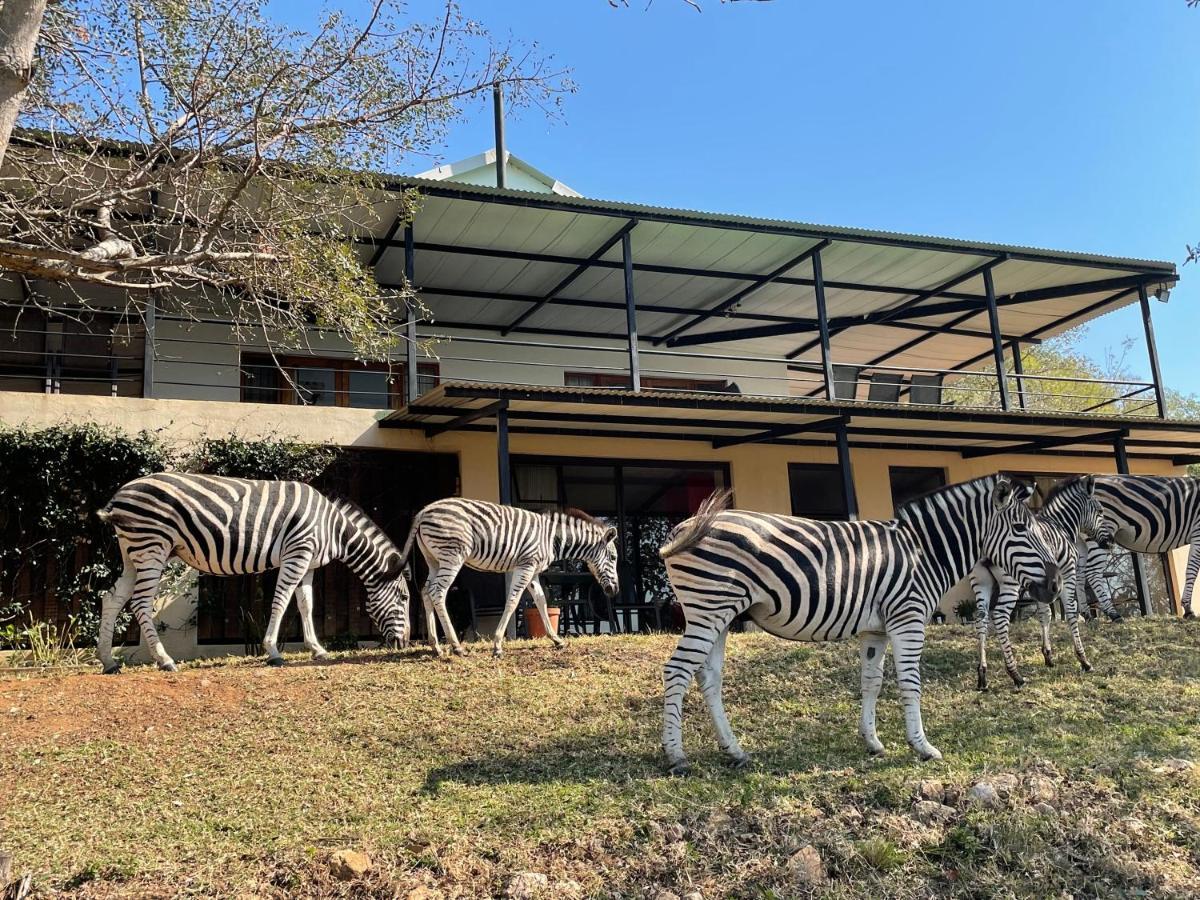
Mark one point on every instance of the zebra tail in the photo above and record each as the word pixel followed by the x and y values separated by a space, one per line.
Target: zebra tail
pixel 690 533
pixel 408 545
pixel 111 516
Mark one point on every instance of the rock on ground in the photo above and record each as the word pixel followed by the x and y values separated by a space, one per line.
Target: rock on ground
pixel 933 791
pixel 933 813
pixel 984 794
pixel 1041 789
pixel 1005 783
pixel 349 864
pixel 526 885
pixel 807 865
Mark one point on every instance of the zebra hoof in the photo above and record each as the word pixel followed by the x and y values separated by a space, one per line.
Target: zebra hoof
pixel 460 651
pixel 876 752
pixel 982 683
pixel 497 652
pixel 933 754
pixel 114 669
pixel 1085 666
pixel 560 645
pixel 679 769
pixel 275 661
pixel 739 763
pixel 168 667
pixel 321 657
pixel 1049 660
pixel 1115 617
pixel 1189 615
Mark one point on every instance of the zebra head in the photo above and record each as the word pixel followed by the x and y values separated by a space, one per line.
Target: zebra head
pixel 1072 504
pixel 601 561
pixel 387 602
pixel 1013 540
pixel 591 542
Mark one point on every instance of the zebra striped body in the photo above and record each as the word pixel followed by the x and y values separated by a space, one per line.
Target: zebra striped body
pixel 1070 510
pixel 490 537
pixel 1146 514
pixel 231 526
pixel 807 580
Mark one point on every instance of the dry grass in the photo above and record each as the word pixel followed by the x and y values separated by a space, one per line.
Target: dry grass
pixel 231 778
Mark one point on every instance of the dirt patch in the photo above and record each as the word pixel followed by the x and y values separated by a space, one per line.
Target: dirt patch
pixel 75 707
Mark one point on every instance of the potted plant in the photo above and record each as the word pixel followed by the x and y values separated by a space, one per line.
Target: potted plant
pixel 966 611
pixel 533 619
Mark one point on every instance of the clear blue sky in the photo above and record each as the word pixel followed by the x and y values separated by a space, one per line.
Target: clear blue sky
pixel 1068 124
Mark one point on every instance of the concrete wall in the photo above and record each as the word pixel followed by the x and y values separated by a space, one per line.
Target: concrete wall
pixel 759 472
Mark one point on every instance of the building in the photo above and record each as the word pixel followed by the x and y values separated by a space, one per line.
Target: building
pixel 627 359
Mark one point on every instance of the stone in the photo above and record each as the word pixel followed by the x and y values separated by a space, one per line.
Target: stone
pixel 806 864
pixel 931 790
pixel 1175 766
pixel 694 895
pixel 666 895
pixel 674 832
pixel 1041 789
pixel 1005 784
pixel 348 865
pixel 852 814
pixel 424 893
pixel 953 795
pixel 930 812
pixel 526 885
pixel 1045 809
pixel 983 794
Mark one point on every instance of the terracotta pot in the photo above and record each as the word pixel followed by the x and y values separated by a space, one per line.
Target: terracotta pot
pixel 533 621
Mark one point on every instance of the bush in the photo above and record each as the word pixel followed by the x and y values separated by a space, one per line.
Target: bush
pixel 268 458
pixel 51 542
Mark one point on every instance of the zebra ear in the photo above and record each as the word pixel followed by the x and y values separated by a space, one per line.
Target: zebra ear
pixel 394 567
pixel 1089 485
pixel 1002 493
pixel 610 534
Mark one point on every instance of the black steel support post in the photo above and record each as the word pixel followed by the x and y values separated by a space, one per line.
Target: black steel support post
pixel 1152 350
pixel 635 369
pixel 1139 570
pixel 411 381
pixel 1018 372
pixel 843 452
pixel 823 325
pixel 504 474
pixel 501 153
pixel 997 347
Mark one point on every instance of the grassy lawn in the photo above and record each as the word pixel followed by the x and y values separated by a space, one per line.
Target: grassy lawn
pixel 230 778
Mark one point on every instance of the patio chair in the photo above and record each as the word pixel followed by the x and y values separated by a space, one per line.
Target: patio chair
pixel 845 382
pixel 885 387
pixel 925 390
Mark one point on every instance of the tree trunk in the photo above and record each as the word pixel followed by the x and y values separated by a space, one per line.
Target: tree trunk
pixel 20 24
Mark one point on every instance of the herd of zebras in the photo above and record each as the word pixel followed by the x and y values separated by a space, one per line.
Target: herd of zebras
pixel 795 578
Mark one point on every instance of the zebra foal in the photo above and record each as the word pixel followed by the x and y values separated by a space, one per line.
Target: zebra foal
pixel 809 580
pixel 1069 512
pixel 1145 514
pixel 231 526
pixel 490 537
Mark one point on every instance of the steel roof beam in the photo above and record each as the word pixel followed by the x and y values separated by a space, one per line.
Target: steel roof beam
pixel 473 415
pixel 778 431
pixel 1046 443
pixel 571 278
pixel 730 302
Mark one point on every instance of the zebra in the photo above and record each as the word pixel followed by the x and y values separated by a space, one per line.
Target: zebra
pixel 809 580
pixel 1145 514
pixel 1070 510
pixel 490 537
pixel 232 526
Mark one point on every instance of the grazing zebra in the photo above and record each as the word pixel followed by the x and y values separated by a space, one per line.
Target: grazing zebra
pixel 1145 514
pixel 1070 510
pixel 230 526
pixel 820 581
pixel 492 538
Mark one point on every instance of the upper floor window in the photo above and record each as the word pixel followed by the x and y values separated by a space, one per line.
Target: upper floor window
pixel 75 352
pixel 321 381
pixel 649 382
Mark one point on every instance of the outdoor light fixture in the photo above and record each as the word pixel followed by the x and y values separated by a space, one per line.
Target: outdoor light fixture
pixel 1163 292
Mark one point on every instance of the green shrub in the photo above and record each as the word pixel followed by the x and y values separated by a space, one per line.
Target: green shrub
pixel 268 458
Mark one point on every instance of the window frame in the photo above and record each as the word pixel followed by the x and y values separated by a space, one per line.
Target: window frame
pixel 341 367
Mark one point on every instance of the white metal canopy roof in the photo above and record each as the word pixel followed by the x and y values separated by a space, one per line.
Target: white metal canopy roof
pixel 516 262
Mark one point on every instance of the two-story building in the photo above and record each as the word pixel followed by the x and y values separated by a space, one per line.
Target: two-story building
pixel 628 359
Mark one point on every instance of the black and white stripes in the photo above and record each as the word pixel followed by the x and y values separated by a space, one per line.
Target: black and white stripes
pixel 816 581
pixel 230 526
pixel 1146 514
pixel 1069 512
pixel 455 532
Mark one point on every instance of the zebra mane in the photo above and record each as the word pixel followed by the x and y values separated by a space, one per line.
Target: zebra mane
pixel 573 513
pixel 1062 487
pixel 961 488
pixel 362 519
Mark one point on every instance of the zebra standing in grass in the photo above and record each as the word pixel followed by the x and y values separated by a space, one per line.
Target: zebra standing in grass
pixel 820 581
pixel 230 526
pixel 1070 510
pixel 493 538
pixel 1145 514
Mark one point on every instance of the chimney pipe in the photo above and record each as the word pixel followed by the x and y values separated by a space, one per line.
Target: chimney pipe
pixel 501 154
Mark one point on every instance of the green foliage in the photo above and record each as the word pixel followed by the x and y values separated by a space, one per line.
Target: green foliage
pixel 54 481
pixel 266 458
pixel 51 542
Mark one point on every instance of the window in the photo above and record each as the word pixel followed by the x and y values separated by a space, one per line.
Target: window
pixel 82 352
pixel 649 382
pixel 816 490
pixel 914 481
pixel 315 381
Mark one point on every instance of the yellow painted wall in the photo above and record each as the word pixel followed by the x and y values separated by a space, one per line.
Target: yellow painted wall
pixel 758 471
